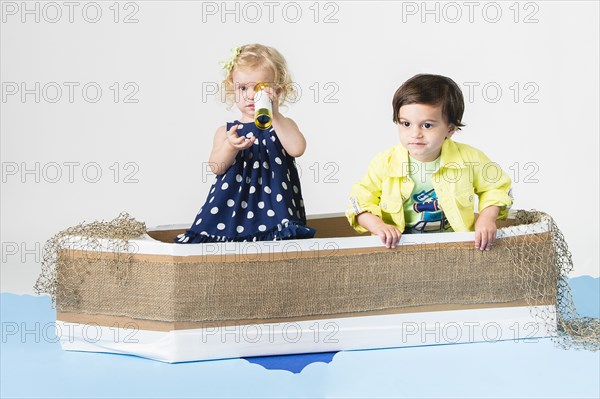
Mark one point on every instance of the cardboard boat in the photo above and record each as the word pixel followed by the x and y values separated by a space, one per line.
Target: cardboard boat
pixel 337 291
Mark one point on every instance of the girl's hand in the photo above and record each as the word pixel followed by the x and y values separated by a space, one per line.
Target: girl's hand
pixel 485 228
pixel 238 142
pixel 274 99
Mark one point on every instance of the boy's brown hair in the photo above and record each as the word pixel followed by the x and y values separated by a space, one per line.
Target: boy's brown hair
pixel 431 90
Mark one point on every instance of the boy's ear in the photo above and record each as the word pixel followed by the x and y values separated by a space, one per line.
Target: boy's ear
pixel 451 130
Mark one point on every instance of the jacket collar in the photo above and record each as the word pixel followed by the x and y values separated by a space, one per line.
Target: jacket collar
pixel 450 158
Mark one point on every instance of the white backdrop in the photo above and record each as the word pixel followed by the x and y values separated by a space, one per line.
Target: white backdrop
pixel 110 106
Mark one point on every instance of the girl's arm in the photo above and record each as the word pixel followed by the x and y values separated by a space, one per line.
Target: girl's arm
pixel 226 145
pixel 289 134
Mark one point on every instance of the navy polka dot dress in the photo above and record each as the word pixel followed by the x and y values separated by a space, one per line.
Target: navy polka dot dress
pixel 257 199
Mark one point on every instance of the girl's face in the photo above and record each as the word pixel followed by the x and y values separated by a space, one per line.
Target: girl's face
pixel 244 81
pixel 422 130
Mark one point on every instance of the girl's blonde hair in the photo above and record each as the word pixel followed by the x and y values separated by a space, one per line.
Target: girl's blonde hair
pixel 256 56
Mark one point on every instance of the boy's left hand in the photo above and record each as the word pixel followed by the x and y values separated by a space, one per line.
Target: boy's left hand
pixel 485 228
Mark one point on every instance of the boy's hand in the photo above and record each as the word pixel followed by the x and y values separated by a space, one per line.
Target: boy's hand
pixel 390 235
pixel 485 228
pixel 238 142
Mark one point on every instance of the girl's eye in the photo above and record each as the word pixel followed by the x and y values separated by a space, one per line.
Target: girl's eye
pixel 243 88
pixel 406 124
pixel 427 125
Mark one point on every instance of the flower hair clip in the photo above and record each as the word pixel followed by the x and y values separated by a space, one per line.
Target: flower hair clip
pixel 228 65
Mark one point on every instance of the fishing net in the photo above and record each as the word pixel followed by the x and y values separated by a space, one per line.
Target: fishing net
pixel 95 269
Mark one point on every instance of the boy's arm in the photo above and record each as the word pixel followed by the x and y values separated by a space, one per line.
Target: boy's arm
pixel 364 213
pixel 493 187
pixel 485 228
pixel 390 235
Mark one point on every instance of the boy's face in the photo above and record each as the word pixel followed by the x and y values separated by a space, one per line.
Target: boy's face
pixel 422 130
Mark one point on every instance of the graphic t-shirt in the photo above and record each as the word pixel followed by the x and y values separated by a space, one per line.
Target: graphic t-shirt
pixel 422 211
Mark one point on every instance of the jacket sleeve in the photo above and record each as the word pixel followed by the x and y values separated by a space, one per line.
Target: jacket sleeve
pixel 365 194
pixel 492 186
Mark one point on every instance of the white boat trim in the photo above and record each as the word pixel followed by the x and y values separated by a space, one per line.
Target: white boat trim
pixel 310 336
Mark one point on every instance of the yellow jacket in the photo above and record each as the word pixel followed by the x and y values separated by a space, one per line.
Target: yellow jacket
pixel 464 172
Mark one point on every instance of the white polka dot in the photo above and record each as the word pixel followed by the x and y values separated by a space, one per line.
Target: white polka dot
pixel 293 202
pixel 233 214
pixel 212 191
pixel 301 204
pixel 225 186
pixel 250 135
pixel 267 189
pixel 298 214
pixel 250 215
pixel 264 142
pixel 254 238
pixel 279 197
pixel 230 203
pixel 284 185
pixel 266 165
pixel 272 175
pixel 180 235
pixel 273 138
pixel 245 164
pixel 256 165
pixel 252 189
pixel 262 227
pixel 247 180
pixel 221 226
pixel 290 212
pixel 214 210
pixel 270 213
pixel 288 177
pixel 284 221
pixel 260 181
pixel 239 229
pixel 295 189
pixel 198 221
pixel 238 178
pixel 240 190
pixel 244 204
pixel 278 160
pixel 283 150
pixel 186 239
pixel 261 204
pixel 256 142
pixel 204 233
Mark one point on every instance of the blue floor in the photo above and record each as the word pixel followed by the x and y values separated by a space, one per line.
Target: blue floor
pixel 33 365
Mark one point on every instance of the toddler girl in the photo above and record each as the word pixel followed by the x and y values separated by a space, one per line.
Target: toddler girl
pixel 256 195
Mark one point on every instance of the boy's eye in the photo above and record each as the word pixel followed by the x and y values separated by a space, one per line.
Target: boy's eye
pixel 406 124
pixel 243 88
pixel 427 125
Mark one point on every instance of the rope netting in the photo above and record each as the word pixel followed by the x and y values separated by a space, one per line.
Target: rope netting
pixel 568 329
pixel 90 240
